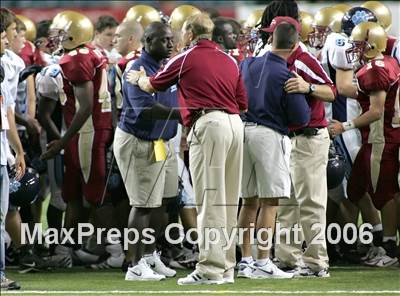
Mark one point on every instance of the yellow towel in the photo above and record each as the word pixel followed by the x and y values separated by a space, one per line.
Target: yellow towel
pixel 160 150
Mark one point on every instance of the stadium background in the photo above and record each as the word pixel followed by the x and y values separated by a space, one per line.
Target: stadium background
pixel 80 281
pixel 39 10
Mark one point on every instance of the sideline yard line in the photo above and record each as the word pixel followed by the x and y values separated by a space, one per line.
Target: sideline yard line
pixel 204 292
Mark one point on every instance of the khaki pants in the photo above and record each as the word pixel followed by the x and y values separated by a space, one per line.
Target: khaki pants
pixel 290 253
pixel 308 167
pixel 146 181
pixel 216 156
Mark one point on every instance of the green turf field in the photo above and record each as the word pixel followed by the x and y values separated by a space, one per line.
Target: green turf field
pixel 81 281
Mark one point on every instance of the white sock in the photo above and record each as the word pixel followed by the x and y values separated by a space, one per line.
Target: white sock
pixel 248 259
pixel 388 238
pixel 262 262
pixel 377 227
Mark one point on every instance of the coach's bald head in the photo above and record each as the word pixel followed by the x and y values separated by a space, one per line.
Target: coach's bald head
pixel 128 37
pixel 158 40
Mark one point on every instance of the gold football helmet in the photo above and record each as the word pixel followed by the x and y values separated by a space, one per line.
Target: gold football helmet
pixel 180 14
pixel 306 21
pixel 143 14
pixel 381 12
pixel 72 29
pixel 326 20
pixel 30 27
pixel 368 40
pixel 343 7
pixel 253 19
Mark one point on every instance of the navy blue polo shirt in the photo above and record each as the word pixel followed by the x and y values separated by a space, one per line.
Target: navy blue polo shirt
pixel 135 101
pixel 269 104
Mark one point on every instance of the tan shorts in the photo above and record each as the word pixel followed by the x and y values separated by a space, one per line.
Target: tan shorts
pixel 146 181
pixel 266 167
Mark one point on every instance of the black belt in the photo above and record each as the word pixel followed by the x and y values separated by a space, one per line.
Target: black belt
pixel 206 111
pixel 200 112
pixel 307 131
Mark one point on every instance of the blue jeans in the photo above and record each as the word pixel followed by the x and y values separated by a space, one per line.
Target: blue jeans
pixel 4 188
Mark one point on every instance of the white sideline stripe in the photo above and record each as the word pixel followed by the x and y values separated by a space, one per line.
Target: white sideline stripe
pixel 204 292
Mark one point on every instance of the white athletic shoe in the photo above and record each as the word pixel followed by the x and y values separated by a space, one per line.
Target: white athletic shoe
pixel 158 266
pixel 269 271
pixel 229 277
pixel 245 269
pixel 195 278
pixel 373 252
pixel 382 261
pixel 142 272
pixel 308 272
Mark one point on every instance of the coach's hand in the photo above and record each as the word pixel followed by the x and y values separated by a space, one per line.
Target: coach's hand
pixel 53 148
pixel 335 128
pixel 134 76
pixel 297 85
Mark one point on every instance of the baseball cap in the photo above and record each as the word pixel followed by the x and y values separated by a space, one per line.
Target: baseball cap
pixel 279 20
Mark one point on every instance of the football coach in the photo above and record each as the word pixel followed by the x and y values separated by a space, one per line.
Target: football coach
pixel 211 95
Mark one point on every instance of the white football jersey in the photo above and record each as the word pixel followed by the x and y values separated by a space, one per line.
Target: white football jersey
pixel 49 82
pixel 333 54
pixel 50 59
pixel 12 65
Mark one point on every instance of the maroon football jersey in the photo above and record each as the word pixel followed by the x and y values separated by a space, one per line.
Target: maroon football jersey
pixel 377 75
pixel 81 65
pixel 32 55
pixel 27 53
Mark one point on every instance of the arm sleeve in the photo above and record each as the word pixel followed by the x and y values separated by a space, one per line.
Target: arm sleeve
pixel 139 100
pixel 241 95
pixel 311 70
pixel 374 79
pixel 297 110
pixel 169 75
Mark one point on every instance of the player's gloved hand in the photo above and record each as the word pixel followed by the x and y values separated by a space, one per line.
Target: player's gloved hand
pixel 28 71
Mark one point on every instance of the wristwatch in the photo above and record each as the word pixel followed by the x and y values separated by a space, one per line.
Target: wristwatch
pixel 311 88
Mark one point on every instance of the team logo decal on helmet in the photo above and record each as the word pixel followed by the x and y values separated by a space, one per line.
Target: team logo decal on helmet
pixel 355 16
pixel 359 17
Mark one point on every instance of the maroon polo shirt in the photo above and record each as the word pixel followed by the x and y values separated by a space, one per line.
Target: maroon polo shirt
pixel 207 78
pixel 308 67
